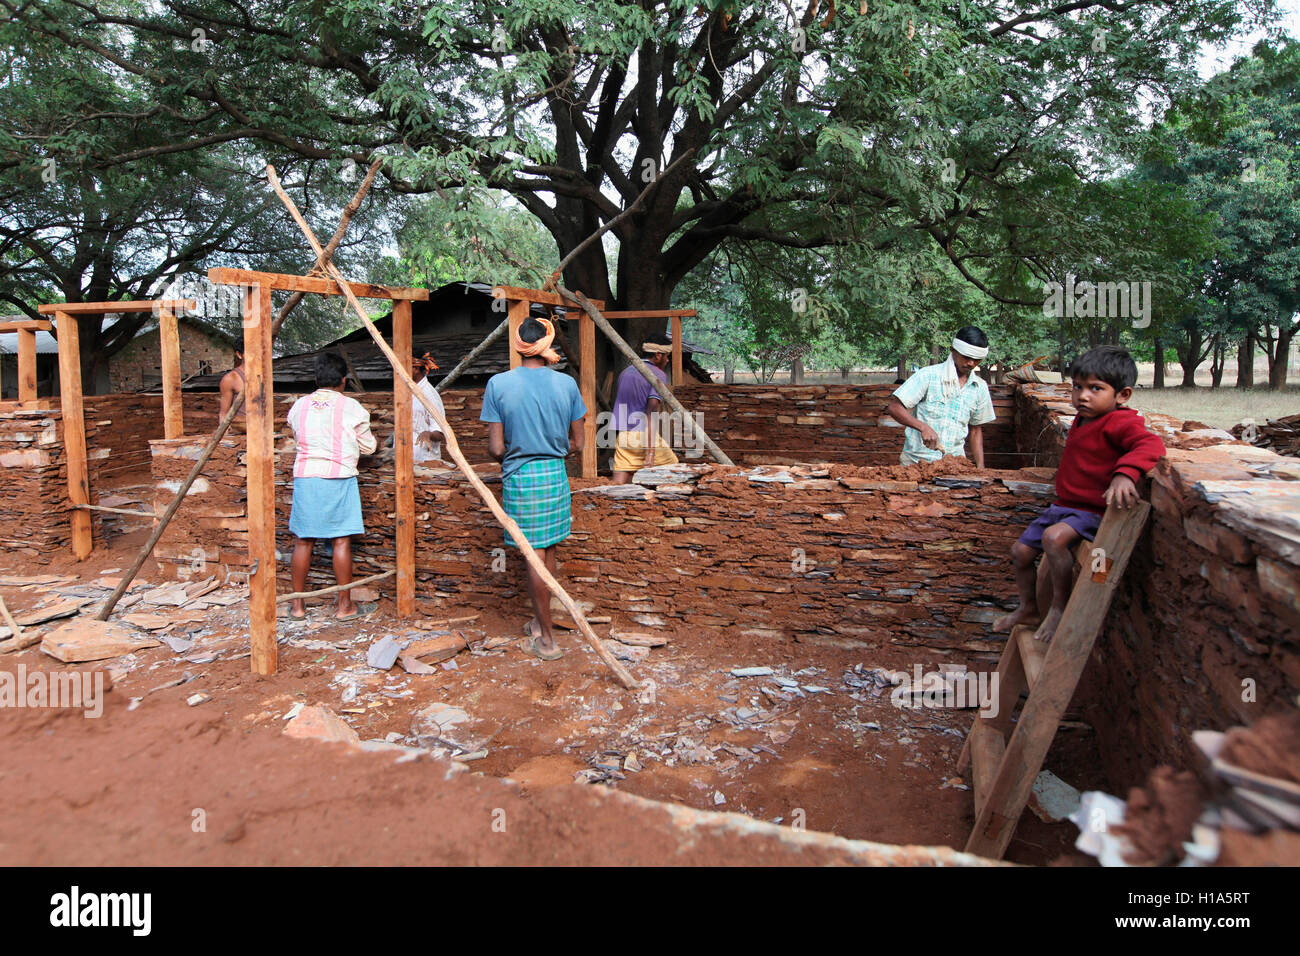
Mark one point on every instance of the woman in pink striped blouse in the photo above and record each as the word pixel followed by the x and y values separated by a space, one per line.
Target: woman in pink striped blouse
pixel 332 431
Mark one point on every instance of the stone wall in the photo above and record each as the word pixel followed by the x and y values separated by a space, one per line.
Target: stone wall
pixel 1205 629
pixel 785 424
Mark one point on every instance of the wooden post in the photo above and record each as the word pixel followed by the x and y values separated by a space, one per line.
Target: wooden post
pixel 74 432
pixel 169 346
pixel 403 465
pixel 587 349
pixel 259 395
pixel 518 312
pixel 27 365
pixel 678 378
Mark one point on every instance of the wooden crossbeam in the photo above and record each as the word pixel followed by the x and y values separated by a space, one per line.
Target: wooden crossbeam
pixel 650 313
pixel 27 325
pixel 104 308
pixel 292 283
pixel 515 294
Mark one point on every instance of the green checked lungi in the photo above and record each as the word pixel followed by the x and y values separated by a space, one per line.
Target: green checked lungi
pixel 537 497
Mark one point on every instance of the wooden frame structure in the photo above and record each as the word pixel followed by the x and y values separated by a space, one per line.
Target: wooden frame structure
pixel 26 329
pixel 71 397
pixel 259 396
pixel 676 315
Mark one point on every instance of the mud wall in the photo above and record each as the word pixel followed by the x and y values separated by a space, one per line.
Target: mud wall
pixel 1205 629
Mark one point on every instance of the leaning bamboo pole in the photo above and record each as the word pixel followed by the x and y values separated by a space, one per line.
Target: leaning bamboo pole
pixel 453 449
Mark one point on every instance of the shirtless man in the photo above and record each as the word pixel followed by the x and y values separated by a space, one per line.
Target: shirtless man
pixel 232 385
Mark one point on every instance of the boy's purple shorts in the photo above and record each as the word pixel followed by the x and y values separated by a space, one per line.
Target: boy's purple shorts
pixel 1085 523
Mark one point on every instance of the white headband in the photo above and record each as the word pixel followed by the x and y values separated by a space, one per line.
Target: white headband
pixel 968 350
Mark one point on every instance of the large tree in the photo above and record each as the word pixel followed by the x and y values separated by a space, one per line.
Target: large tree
pixel 975 124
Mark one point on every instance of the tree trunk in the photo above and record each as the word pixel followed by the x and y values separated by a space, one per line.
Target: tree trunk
pixel 1218 359
pixel 844 374
pixel 1281 358
pixel 796 372
pixel 728 373
pixel 1159 380
pixel 902 367
pixel 1246 361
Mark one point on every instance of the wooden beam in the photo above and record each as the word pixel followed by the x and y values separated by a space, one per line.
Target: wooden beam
pixel 260 401
pixel 27 325
pixel 169 351
pixel 678 377
pixel 291 283
pixel 515 294
pixel 26 365
pixel 518 312
pixel 403 465
pixel 74 433
pixel 587 372
pixel 103 308
pixel 650 314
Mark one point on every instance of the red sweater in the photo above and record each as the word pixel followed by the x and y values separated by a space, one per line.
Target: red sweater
pixel 1096 450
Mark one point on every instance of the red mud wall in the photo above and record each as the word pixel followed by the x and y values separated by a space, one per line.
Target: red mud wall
pixel 1205 629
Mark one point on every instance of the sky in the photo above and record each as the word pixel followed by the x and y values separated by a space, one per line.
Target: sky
pixel 1216 61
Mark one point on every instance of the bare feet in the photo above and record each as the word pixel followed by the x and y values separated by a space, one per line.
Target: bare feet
pixel 1020 615
pixel 539 645
pixel 347 610
pixel 1049 625
pixel 297 609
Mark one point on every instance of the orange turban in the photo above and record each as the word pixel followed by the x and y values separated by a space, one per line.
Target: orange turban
pixel 541 347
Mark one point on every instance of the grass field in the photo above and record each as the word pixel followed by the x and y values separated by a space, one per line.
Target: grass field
pixel 1219 407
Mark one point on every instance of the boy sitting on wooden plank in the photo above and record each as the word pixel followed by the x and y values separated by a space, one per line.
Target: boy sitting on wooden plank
pixel 1107 452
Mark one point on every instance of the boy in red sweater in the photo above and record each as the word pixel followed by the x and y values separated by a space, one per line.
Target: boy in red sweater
pixel 1107 452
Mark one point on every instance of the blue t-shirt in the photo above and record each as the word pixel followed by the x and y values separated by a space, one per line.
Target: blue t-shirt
pixel 535 407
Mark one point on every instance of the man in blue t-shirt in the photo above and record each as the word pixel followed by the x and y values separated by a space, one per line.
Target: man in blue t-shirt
pixel 535 416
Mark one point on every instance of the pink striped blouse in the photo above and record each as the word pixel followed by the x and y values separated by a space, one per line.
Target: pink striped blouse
pixel 332 432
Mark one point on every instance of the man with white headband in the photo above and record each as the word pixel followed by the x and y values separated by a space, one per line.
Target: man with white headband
pixel 941 405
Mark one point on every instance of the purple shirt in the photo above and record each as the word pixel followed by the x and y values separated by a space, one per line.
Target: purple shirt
pixel 632 397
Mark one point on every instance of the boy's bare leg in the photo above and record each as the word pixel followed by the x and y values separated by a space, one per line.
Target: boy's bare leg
pixel 622 477
pixel 299 564
pixel 1023 557
pixel 343 575
pixel 1058 551
pixel 541 595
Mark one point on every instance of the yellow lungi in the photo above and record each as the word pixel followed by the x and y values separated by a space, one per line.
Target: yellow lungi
pixel 630 451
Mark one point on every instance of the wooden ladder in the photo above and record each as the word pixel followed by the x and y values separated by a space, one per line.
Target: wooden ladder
pixel 1003 770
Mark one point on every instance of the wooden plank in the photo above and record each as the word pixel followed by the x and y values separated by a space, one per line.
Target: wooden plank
pixel 126 305
pixel 169 348
pixel 650 314
pixel 291 283
pixel 516 294
pixel 259 401
pixel 678 377
pixel 1067 655
pixel 587 349
pixel 987 748
pixel 1032 653
pixel 74 433
pixel 26 365
pixel 518 312
pixel 403 465
pixel 1010 682
pixel 27 325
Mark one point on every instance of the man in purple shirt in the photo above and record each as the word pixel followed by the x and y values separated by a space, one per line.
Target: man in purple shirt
pixel 635 403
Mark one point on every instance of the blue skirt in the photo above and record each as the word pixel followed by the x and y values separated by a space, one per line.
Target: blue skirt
pixel 326 508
